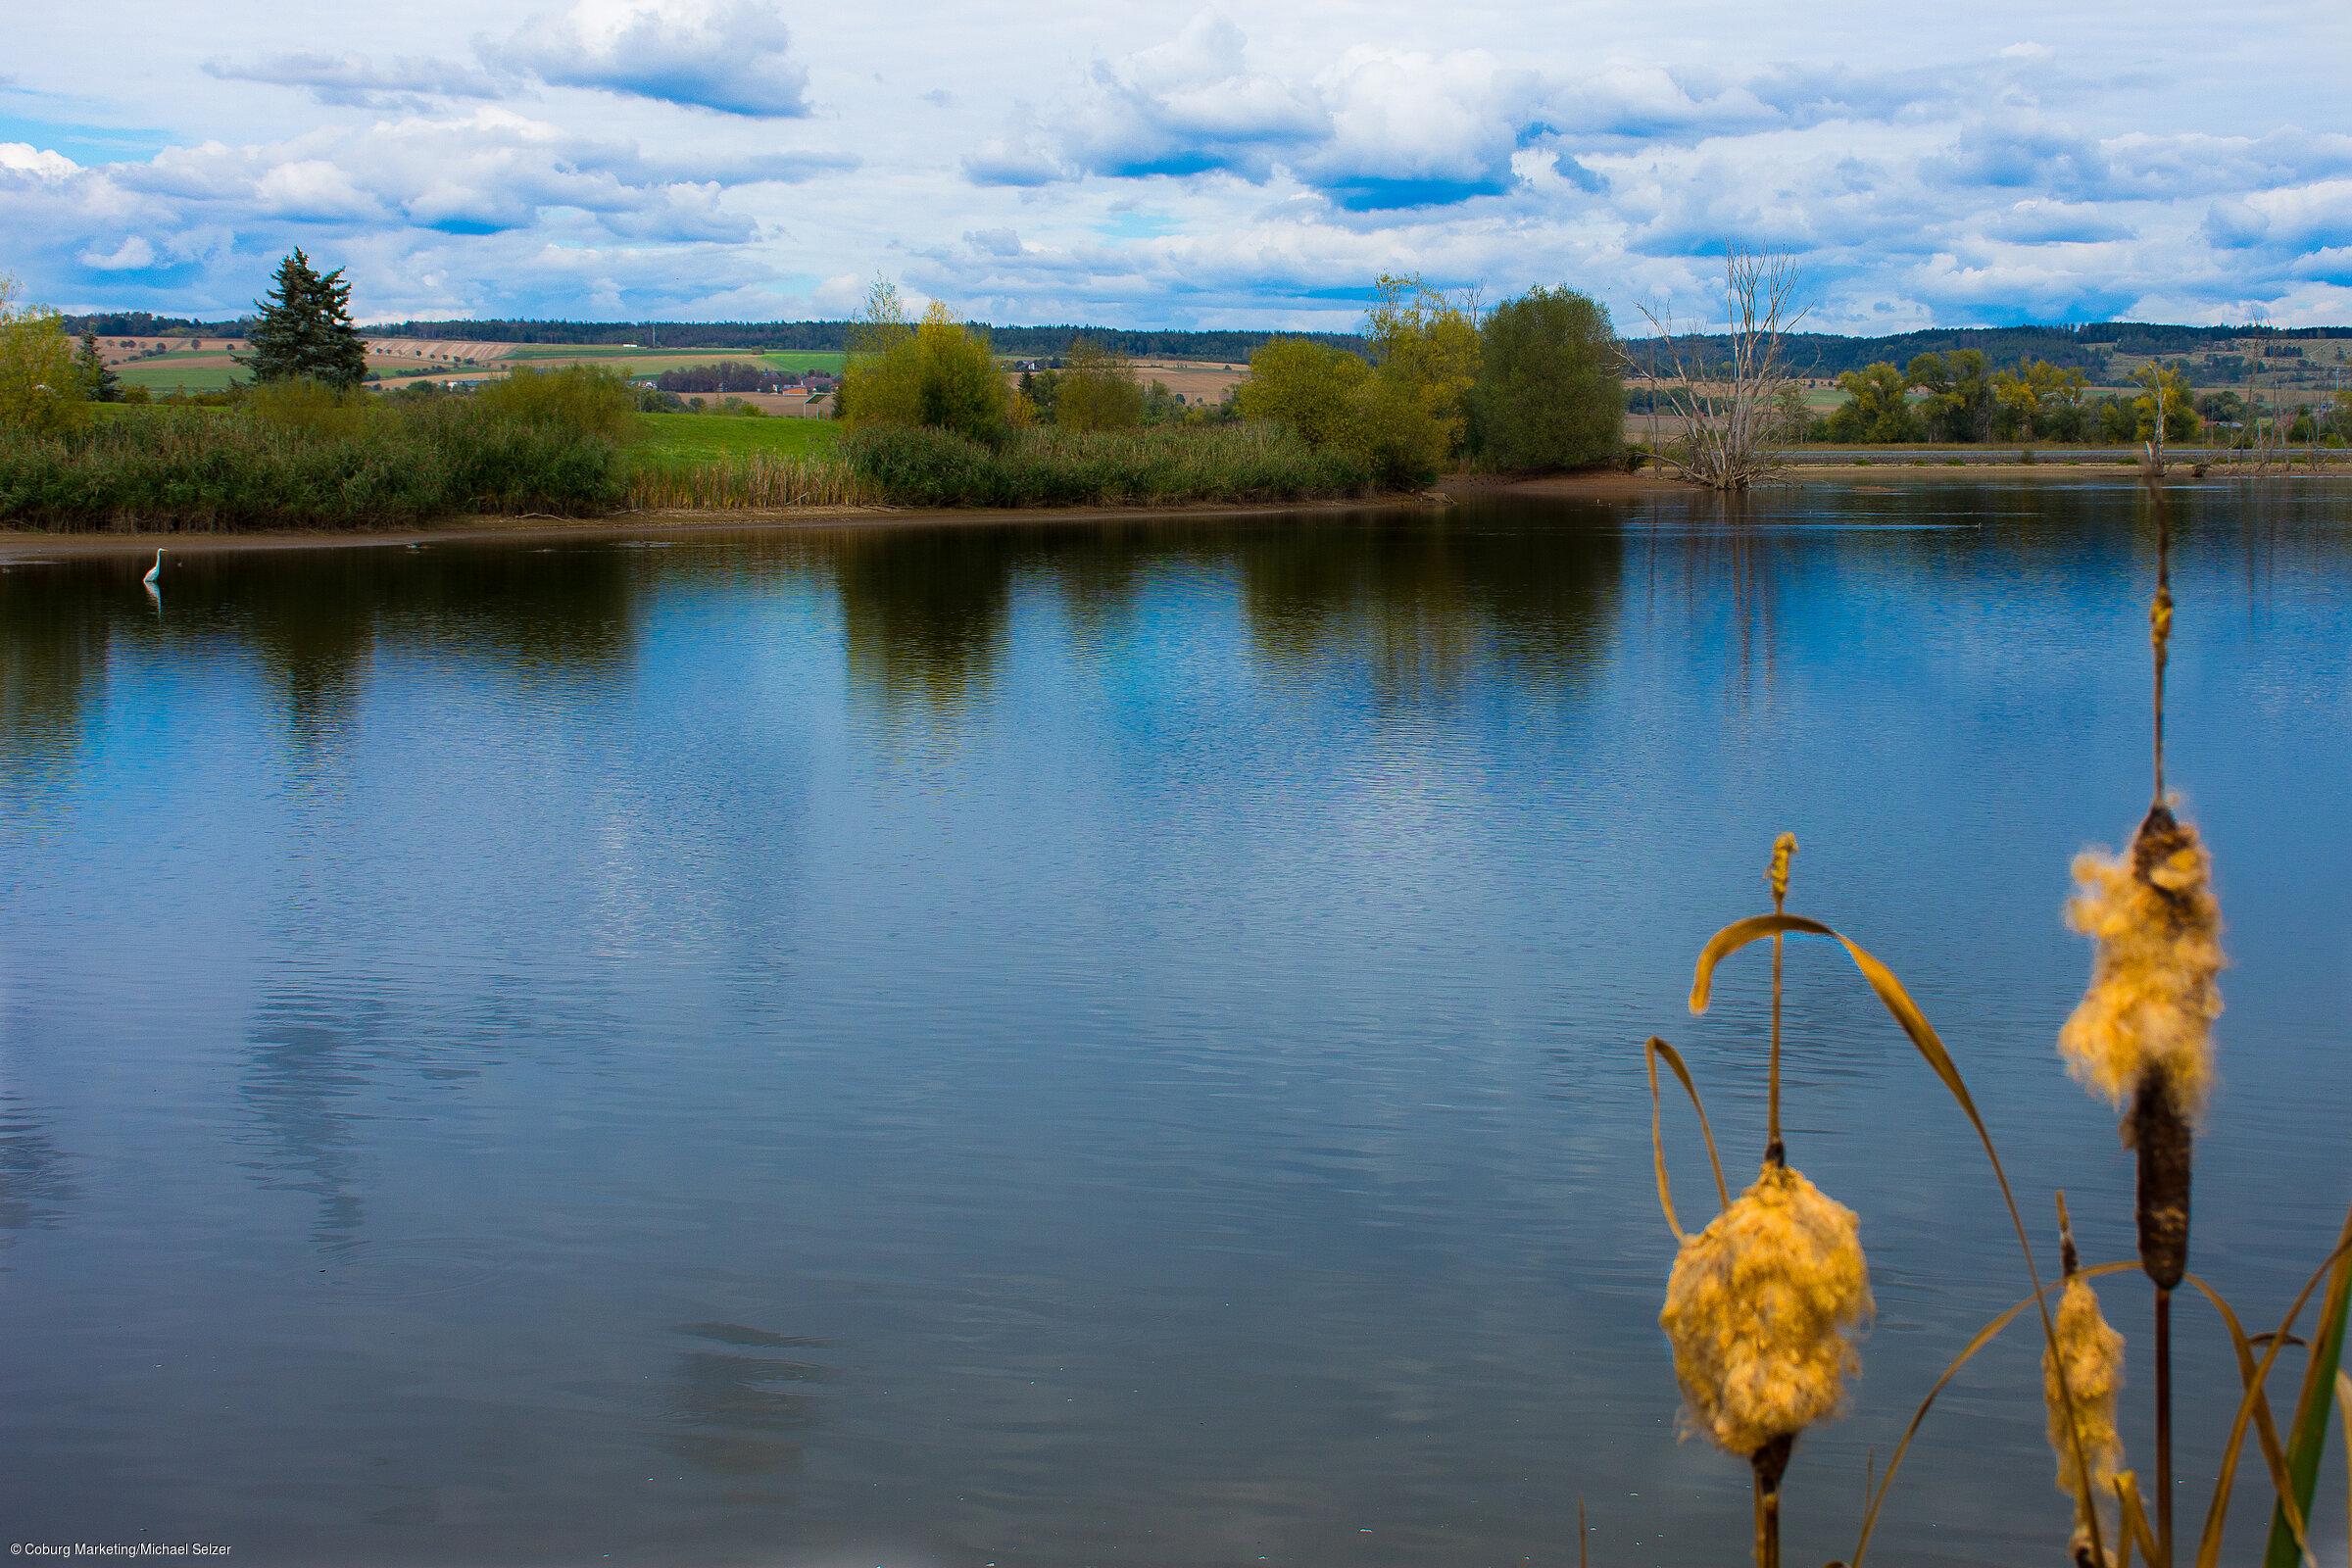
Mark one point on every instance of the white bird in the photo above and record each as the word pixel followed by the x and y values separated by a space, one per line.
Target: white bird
pixel 154 571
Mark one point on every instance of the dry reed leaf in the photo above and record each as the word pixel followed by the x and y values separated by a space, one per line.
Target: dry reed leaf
pixel 2273 1452
pixel 2135 1520
pixel 1652 1051
pixel 1984 1336
pixel 2217 1514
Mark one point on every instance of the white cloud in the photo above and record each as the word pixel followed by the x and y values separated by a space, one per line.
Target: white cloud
pixel 133 254
pixel 356 80
pixel 30 163
pixel 724 55
pixel 1229 167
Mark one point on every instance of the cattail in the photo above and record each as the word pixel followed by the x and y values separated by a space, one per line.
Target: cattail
pixel 1763 1309
pixel 2142 1035
pixel 2081 1410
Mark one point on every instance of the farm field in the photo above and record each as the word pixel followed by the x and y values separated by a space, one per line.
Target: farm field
pixel 653 362
pixel 207 370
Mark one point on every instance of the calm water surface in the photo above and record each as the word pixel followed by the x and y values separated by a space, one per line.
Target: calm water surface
pixel 1009 1045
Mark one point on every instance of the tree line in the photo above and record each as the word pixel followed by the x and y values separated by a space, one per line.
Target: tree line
pixel 1532 384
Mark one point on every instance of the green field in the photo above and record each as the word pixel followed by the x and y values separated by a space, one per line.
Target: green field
pixel 198 372
pixel 794 359
pixel 677 439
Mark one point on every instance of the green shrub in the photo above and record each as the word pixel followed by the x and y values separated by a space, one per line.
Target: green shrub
pixel 911 465
pixel 1547 394
pixel 591 399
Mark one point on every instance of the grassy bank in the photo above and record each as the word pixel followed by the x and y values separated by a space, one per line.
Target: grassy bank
pixel 368 463
pixel 192 468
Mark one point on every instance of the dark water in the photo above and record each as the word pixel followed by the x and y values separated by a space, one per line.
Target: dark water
pixel 1086 1044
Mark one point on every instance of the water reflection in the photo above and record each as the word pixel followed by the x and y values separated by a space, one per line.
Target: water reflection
pixel 924 610
pixel 52 662
pixel 304 1073
pixel 34 1185
pixel 1418 606
pixel 736 1406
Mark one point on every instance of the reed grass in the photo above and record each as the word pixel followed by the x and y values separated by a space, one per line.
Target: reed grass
pixel 749 481
pixel 183 469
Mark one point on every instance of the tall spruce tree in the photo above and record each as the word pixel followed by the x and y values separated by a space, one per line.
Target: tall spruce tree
pixel 304 328
pixel 99 383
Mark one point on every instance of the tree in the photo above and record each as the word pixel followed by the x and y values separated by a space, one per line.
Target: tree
pixel 936 373
pixel 2167 408
pixel 1548 393
pixel 303 329
pixel 38 387
pixel 99 383
pixel 1097 390
pixel 1959 404
pixel 1877 408
pixel 2038 399
pixel 1425 347
pixel 1730 434
pixel 1309 388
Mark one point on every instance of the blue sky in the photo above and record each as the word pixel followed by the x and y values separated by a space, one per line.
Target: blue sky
pixel 1225 166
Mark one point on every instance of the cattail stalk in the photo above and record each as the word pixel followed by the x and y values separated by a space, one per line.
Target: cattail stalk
pixel 2142 1035
pixel 1764 1306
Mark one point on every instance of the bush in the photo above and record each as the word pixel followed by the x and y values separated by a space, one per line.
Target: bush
pixel 39 387
pixel 936 374
pixel 588 400
pixel 1547 394
pixel 1097 390
pixel 1044 468
pixel 1309 388
pixel 310 407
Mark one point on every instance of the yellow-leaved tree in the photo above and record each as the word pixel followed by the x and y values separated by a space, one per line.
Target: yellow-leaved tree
pixel 1308 387
pixel 1405 413
pixel 1417 403
pixel 935 372
pixel 39 388
pixel 1096 389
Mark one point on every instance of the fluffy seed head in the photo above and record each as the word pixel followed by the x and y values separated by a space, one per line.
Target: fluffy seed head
pixel 2153 997
pixel 2093 1355
pixel 1763 1309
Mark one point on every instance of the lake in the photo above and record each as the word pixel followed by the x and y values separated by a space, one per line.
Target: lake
pixel 1000 1043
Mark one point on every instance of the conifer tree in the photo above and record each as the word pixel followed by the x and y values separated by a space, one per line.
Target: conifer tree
pixel 304 328
pixel 98 379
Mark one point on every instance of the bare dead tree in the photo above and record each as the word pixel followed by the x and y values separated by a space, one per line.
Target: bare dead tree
pixel 1733 430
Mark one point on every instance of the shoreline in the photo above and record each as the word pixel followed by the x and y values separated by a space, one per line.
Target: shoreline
pixel 1596 484
pixel 26 544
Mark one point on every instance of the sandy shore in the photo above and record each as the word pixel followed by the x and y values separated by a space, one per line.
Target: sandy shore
pixel 1611 484
pixel 21 544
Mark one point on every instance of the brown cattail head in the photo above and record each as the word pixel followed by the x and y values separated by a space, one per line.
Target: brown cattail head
pixel 1763 1309
pixel 2153 996
pixel 2159 1134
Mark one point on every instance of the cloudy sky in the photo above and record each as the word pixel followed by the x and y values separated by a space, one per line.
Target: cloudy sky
pixel 1232 164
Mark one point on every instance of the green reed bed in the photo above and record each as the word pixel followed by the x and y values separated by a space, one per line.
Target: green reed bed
pixel 1046 467
pixel 746 481
pixel 336 466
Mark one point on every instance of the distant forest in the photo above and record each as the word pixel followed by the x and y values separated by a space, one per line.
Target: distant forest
pixel 2070 348
pixel 1808 354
